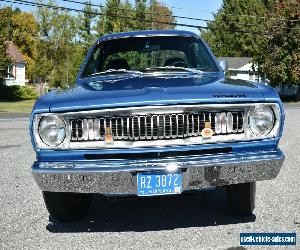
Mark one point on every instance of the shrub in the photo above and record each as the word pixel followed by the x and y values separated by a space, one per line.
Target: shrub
pixel 15 93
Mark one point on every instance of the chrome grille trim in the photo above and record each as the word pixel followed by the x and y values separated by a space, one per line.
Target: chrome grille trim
pixel 161 126
pixel 176 111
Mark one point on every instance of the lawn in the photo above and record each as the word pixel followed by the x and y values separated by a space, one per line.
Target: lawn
pixel 16 106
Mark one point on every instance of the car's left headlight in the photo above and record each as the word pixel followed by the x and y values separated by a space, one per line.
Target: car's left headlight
pixel 261 120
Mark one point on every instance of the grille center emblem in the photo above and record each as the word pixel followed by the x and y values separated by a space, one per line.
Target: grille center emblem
pixel 207 132
pixel 108 137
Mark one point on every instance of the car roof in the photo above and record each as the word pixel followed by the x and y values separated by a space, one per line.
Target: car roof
pixel 145 33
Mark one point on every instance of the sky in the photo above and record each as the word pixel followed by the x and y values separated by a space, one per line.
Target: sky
pixel 191 8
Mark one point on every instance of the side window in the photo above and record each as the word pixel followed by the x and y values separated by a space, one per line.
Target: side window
pixel 91 67
pixel 205 60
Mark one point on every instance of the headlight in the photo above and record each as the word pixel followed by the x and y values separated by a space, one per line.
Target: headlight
pixel 261 120
pixel 52 130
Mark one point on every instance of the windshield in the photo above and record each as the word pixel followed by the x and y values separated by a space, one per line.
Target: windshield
pixel 149 54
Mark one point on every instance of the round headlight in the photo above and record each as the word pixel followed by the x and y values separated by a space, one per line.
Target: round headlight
pixel 52 130
pixel 261 120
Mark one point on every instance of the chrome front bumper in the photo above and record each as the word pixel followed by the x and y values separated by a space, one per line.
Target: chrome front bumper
pixel 119 176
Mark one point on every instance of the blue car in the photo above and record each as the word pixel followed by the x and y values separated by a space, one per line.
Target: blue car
pixel 151 113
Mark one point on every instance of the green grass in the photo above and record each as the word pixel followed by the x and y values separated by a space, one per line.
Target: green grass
pixel 16 106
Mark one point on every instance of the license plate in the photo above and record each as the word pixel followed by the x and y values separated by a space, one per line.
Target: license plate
pixel 159 183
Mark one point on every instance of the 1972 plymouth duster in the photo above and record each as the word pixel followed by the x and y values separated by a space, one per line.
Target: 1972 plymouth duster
pixel 152 114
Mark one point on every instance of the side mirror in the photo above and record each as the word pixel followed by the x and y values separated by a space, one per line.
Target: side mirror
pixel 223 64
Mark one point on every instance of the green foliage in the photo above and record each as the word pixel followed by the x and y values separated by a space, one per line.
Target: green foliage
pixel 4 59
pixel 236 15
pixel 20 28
pixel 140 14
pixel 118 16
pixel 159 12
pixel 5 13
pixel 24 35
pixel 110 21
pixel 85 22
pixel 54 42
pixel 58 50
pixel 279 53
pixel 16 93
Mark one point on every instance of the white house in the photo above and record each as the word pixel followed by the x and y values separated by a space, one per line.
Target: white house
pixel 240 68
pixel 16 70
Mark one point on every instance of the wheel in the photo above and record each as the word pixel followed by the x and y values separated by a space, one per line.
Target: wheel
pixel 67 206
pixel 241 198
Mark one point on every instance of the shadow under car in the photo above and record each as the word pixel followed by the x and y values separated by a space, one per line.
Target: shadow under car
pixel 140 214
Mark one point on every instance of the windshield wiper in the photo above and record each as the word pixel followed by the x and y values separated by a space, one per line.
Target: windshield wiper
pixel 116 71
pixel 174 68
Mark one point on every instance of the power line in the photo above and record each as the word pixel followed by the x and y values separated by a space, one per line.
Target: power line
pixel 193 18
pixel 24 2
pixel 172 16
pixel 136 11
pixel 243 15
pixel 182 17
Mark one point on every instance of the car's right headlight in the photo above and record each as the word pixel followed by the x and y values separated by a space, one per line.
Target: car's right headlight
pixel 50 131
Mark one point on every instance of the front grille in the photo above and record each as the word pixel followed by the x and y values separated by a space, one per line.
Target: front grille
pixel 156 126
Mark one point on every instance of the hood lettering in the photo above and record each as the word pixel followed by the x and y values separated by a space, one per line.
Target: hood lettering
pixel 229 95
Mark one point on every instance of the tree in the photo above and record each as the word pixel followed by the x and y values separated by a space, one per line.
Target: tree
pixel 118 16
pixel 85 21
pixel 127 11
pixel 20 28
pixel 57 46
pixel 278 57
pixel 5 13
pixel 158 12
pixel 236 15
pixel 140 14
pixel 4 59
pixel 24 35
pixel 110 20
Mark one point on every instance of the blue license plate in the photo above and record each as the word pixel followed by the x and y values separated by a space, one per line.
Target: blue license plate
pixel 159 183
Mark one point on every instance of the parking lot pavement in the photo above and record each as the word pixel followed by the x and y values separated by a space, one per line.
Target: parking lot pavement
pixel 14 116
pixel 190 221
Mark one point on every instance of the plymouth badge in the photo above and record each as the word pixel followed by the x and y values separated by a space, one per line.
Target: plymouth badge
pixel 207 132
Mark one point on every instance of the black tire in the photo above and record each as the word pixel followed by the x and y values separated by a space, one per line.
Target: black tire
pixel 67 206
pixel 241 198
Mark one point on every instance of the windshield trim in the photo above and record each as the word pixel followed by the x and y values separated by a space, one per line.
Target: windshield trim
pixel 126 35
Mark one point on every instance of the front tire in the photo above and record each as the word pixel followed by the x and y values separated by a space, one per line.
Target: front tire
pixel 67 206
pixel 241 198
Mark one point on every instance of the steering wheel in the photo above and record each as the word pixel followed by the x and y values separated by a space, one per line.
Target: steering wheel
pixel 181 64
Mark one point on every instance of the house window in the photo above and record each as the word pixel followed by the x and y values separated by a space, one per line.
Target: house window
pixel 10 72
pixel 232 73
pixel 251 76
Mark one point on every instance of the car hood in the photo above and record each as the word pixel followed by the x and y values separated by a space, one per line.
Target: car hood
pixel 98 93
